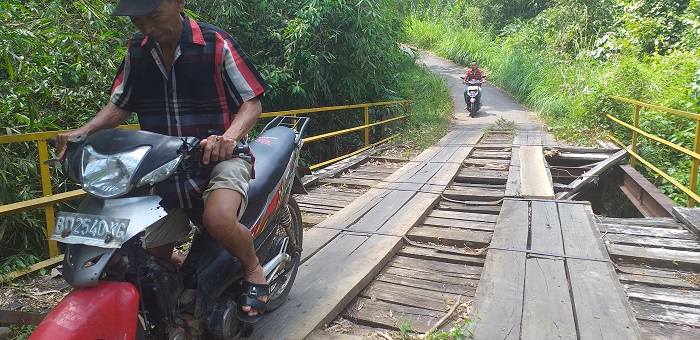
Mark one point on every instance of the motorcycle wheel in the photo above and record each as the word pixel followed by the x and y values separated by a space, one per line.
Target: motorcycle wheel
pixel 282 284
pixel 472 110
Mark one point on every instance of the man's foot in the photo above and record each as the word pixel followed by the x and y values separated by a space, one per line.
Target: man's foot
pixel 466 107
pixel 255 296
pixel 253 301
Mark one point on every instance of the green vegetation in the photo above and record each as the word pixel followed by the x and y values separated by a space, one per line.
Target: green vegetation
pixel 565 58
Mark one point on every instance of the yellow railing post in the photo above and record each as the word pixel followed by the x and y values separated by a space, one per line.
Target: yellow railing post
pixel 633 160
pixel 367 128
pixel 694 167
pixel 46 191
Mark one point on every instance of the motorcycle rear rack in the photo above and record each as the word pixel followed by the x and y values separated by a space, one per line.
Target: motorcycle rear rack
pixel 297 124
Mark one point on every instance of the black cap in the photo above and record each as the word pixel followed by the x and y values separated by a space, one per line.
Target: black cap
pixel 135 7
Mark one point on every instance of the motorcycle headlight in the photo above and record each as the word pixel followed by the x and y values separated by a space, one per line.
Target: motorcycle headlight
pixel 164 171
pixel 108 176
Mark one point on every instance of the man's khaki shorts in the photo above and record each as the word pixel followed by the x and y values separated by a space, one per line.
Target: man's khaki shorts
pixel 233 174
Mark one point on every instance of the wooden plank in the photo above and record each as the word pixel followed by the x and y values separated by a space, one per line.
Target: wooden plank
pixel 648 199
pixel 685 297
pixel 473 194
pixel 679 234
pixel 499 298
pixel 600 304
pixel 592 174
pixel 385 315
pixel 513 182
pixel 654 242
pixel 434 282
pixel 666 331
pixel 418 266
pixel 680 315
pixel 456 237
pixel 408 296
pixel 664 258
pixel 547 310
pixel 458 215
pixel 655 222
pixel 690 217
pixel 472 207
pixel 461 224
pixel 533 174
pixel 442 256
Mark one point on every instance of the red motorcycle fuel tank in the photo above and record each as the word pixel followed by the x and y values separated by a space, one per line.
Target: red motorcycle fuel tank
pixel 106 311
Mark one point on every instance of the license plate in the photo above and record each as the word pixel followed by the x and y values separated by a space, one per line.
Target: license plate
pixel 93 230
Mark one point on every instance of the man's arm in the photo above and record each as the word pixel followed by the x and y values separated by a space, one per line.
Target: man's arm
pixel 109 117
pixel 221 147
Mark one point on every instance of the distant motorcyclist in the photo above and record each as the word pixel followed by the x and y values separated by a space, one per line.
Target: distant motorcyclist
pixel 473 73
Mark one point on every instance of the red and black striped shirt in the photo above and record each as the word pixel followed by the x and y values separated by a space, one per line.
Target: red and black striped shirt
pixel 210 78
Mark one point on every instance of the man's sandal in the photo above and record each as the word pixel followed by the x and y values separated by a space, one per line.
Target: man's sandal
pixel 250 297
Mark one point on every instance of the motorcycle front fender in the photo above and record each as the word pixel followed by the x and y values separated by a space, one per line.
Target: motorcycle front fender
pixel 106 311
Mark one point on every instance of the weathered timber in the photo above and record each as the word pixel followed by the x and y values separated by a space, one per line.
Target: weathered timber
pixel 592 174
pixel 690 218
pixel 668 313
pixel 547 310
pixel 663 258
pixel 649 241
pixel 434 282
pixel 499 298
pixel 461 224
pixel 670 233
pixel 690 298
pixel 600 305
pixel 445 255
pixel 513 182
pixel 381 314
pixel 458 215
pixel 534 181
pixel 456 237
pixel 656 222
pixel 666 331
pixel 645 196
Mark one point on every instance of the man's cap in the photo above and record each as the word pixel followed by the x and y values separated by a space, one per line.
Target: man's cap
pixel 135 7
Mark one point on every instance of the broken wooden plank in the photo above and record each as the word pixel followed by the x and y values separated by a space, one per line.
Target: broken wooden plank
pixel 592 174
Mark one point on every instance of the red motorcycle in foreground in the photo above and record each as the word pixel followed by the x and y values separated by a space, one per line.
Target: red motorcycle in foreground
pixel 122 292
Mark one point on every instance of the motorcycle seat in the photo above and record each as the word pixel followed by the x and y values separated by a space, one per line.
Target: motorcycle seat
pixel 272 151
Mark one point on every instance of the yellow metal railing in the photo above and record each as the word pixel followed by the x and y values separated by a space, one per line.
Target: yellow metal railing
pixel 49 199
pixel 637 132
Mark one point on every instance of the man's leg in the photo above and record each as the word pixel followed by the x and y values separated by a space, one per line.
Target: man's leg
pixel 221 220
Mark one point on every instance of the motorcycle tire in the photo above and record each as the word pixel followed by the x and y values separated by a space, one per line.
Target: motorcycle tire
pixel 280 290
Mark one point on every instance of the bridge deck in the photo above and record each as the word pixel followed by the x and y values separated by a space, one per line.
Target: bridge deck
pixel 547 272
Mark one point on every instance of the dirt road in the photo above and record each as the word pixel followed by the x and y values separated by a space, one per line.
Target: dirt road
pixel 496 102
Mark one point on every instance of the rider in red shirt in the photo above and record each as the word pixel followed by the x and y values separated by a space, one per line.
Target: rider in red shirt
pixel 473 73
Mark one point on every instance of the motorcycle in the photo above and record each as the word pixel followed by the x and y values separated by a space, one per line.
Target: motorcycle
pixel 472 96
pixel 121 291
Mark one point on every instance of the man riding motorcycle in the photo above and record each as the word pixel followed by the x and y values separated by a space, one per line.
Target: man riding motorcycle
pixel 473 73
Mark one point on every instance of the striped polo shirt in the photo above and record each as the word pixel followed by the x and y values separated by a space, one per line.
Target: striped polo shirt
pixel 210 78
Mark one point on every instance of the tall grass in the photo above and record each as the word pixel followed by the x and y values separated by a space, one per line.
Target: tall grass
pixel 571 92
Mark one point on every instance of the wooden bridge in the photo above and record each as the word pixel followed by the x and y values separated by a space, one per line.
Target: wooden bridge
pixel 472 229
pixel 496 231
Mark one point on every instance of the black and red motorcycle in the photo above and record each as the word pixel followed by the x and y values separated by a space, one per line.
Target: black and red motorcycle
pixel 122 292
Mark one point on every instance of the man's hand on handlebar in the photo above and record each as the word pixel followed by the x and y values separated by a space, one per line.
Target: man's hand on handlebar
pixel 217 148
